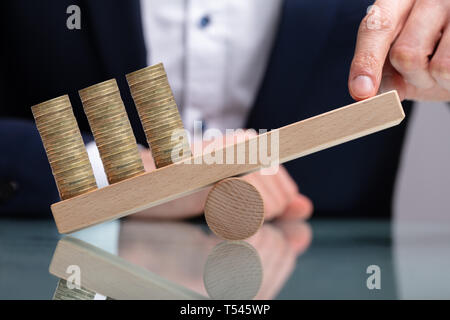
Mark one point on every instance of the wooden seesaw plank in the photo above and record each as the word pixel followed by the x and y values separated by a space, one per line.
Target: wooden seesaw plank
pixel 177 180
pixel 112 276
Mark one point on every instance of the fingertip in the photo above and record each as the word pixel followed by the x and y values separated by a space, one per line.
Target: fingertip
pixel 362 87
pixel 307 204
pixel 301 207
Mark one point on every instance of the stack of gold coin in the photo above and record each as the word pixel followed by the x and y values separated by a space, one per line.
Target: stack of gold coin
pixel 64 146
pixel 112 131
pixel 159 115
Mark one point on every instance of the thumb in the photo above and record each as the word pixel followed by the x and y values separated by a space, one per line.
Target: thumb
pixel 376 33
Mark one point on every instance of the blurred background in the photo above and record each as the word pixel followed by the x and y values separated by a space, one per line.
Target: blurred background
pixel 423 184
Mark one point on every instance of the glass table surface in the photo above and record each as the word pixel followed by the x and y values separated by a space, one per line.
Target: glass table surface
pixel 143 259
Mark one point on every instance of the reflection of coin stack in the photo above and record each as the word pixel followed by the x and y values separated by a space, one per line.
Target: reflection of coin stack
pixel 64 146
pixel 112 131
pixel 159 115
pixel 62 292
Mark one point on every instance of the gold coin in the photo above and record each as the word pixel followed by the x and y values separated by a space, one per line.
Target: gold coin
pixel 99 89
pixel 101 102
pixel 154 108
pixel 113 153
pixel 109 118
pixel 148 87
pixel 169 150
pixel 59 144
pixel 126 169
pixel 59 134
pixel 131 172
pixel 106 109
pixel 77 180
pixel 75 177
pixel 74 174
pixel 110 123
pixel 112 132
pixel 55 114
pixel 147 82
pixel 51 122
pixel 162 114
pixel 130 139
pixel 114 178
pixel 165 150
pixel 102 138
pixel 165 132
pixel 112 141
pixel 176 152
pixel 166 139
pixel 157 88
pixel 157 123
pixel 75 194
pixel 153 98
pixel 107 156
pixel 69 166
pixel 59 152
pixel 145 73
pixel 165 136
pixel 64 145
pixel 121 160
pixel 106 113
pixel 156 99
pixel 74 155
pixel 67 193
pixel 51 105
pixel 64 122
pixel 77 186
pixel 161 84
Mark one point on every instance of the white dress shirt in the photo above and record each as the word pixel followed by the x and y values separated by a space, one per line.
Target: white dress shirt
pixel 215 53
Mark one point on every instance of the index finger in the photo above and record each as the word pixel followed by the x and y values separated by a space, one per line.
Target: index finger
pixel 376 33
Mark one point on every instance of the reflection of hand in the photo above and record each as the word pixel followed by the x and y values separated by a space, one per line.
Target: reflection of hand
pixel 279 192
pixel 279 245
pixel 403 45
pixel 178 251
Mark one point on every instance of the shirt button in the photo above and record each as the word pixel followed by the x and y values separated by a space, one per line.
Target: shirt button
pixel 205 21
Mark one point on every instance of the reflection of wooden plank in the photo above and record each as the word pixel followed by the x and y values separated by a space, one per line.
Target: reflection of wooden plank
pixel 171 182
pixel 112 276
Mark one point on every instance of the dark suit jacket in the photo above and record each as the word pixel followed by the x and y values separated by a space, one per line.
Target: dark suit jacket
pixel 306 75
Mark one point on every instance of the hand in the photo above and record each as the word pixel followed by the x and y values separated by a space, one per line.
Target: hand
pixel 279 192
pixel 281 196
pixel 178 251
pixel 403 45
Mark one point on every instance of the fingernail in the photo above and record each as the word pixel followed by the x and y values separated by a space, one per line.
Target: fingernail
pixel 362 86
